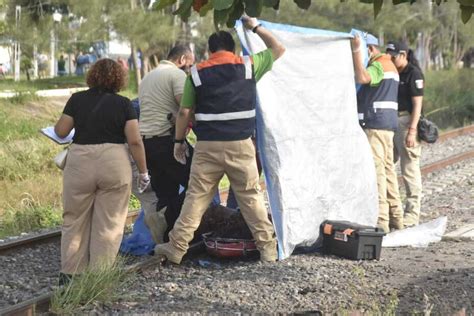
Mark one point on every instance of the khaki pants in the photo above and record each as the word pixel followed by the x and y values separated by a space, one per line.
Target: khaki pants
pixel 411 173
pixel 213 159
pixel 96 191
pixel 390 210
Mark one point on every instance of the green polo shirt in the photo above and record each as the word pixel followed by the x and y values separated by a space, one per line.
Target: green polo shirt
pixel 262 63
pixel 375 70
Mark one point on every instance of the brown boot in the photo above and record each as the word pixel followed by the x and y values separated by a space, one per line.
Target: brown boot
pixel 269 252
pixel 384 226
pixel 171 253
pixel 396 223
pixel 267 256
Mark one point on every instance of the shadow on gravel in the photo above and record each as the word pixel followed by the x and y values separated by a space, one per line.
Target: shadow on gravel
pixel 448 292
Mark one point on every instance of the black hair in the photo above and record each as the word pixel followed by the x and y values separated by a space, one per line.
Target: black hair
pixel 178 51
pixel 221 40
pixel 412 59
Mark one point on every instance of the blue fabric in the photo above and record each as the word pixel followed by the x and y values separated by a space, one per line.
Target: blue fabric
pixel 372 40
pixel 139 242
pixel 136 106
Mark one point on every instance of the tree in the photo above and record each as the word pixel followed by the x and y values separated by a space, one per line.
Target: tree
pixel 228 11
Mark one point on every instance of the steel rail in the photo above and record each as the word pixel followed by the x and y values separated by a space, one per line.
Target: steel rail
pixel 42 303
pixel 48 236
pixel 456 132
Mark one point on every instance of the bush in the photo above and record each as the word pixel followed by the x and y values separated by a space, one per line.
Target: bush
pixel 30 217
pixel 449 97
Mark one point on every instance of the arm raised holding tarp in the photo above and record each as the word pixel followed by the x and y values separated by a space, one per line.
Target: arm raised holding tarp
pixel 267 37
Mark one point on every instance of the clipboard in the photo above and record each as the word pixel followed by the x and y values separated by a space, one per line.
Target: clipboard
pixel 49 132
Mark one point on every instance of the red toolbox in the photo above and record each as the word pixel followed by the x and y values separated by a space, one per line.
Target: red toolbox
pixel 351 240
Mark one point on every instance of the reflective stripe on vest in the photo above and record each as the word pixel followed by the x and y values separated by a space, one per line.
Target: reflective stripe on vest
pixel 248 67
pixel 386 105
pixel 195 76
pixel 225 116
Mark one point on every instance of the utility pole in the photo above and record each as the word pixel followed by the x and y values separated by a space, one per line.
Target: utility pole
pixel 16 47
pixel 35 58
pixel 138 74
pixel 52 48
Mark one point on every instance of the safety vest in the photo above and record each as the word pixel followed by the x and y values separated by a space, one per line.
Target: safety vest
pixel 378 105
pixel 225 97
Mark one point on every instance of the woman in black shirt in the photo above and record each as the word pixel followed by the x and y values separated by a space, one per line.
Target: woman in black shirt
pixel 97 177
pixel 406 141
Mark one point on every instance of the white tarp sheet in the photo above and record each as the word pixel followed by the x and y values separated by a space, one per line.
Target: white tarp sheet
pixel 418 236
pixel 317 161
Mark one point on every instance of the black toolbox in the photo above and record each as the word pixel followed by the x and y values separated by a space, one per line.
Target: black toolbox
pixel 351 240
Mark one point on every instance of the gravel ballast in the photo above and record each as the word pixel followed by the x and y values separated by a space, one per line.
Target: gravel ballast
pixel 439 278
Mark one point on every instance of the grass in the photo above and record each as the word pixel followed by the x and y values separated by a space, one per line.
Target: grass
pixel 30 184
pixel 449 97
pixel 42 84
pixel 94 285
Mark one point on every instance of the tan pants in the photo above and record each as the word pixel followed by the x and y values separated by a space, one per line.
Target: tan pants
pixel 411 173
pixel 213 159
pixel 390 210
pixel 96 191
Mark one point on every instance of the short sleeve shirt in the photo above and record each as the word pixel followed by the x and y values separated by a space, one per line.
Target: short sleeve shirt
pixel 157 94
pixel 262 63
pixel 375 70
pixel 99 117
pixel 412 83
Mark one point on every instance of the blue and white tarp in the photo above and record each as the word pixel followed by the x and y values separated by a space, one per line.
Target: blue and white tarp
pixel 317 161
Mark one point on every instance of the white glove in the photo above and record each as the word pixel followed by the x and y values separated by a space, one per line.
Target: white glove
pixel 181 151
pixel 143 182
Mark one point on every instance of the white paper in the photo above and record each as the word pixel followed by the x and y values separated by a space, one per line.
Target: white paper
pixel 417 236
pixel 49 132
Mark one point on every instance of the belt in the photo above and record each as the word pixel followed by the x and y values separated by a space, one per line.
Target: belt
pixel 155 136
pixel 403 113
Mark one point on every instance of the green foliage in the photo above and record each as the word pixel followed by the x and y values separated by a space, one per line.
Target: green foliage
pixel 254 8
pixel 31 217
pixel 98 284
pixel 134 203
pixel 449 97
pixel 40 84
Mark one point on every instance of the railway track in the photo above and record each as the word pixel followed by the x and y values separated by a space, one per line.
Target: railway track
pixel 47 237
pixel 41 304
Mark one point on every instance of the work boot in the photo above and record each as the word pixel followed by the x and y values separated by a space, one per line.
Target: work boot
pixel 171 253
pixel 269 253
pixel 268 256
pixel 384 226
pixel 396 223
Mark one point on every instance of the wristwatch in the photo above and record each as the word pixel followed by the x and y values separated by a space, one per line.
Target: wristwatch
pixel 256 27
pixel 179 141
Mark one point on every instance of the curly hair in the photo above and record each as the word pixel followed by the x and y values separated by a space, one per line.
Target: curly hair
pixel 107 74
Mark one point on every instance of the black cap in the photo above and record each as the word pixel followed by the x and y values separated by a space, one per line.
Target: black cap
pixel 395 48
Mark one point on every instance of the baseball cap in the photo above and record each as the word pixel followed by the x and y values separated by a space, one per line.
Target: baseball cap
pixel 371 40
pixel 395 48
